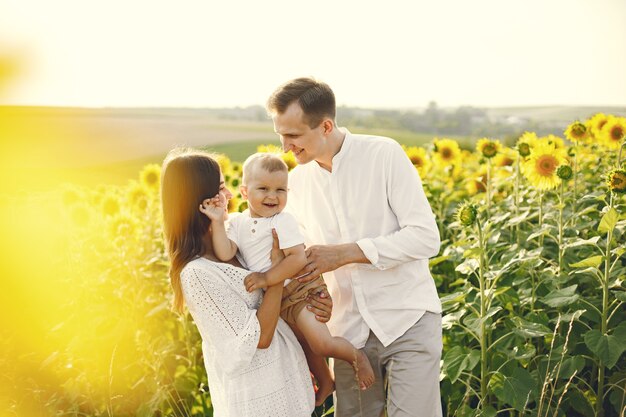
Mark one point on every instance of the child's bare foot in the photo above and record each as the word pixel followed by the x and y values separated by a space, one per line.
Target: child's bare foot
pixel 323 391
pixel 363 370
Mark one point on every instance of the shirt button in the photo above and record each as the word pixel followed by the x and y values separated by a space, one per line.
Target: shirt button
pixel 255 222
pixel 253 230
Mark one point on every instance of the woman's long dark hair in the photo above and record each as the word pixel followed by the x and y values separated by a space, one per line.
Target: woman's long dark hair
pixel 187 178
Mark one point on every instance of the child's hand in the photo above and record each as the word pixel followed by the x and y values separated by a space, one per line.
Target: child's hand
pixel 213 208
pixel 254 281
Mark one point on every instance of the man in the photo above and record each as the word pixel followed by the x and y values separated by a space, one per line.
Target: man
pixel 370 230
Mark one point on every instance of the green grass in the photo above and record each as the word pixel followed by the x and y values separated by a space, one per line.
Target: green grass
pixel 119 173
pixel 239 151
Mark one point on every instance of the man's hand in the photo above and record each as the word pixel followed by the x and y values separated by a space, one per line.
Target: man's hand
pixel 320 259
pixel 321 305
pixel 276 255
pixel 255 281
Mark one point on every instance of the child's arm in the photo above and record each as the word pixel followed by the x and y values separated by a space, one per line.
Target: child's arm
pixel 223 247
pixel 295 260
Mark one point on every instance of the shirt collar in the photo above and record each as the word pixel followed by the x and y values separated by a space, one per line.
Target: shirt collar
pixel 347 140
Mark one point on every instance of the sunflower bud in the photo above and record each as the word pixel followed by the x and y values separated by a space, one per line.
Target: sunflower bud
pixel 576 131
pixel 565 172
pixel 616 180
pixel 467 214
pixel 523 148
pixel 151 176
pixel 488 148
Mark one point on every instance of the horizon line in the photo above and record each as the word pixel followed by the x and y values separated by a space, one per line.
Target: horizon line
pixel 88 107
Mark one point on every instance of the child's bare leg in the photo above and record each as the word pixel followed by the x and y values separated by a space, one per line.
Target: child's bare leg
pixel 322 343
pixel 319 368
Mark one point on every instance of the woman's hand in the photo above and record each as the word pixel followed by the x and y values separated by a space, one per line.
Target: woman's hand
pixel 214 208
pixel 277 254
pixel 321 305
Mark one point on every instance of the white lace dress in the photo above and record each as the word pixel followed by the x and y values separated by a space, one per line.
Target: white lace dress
pixel 243 380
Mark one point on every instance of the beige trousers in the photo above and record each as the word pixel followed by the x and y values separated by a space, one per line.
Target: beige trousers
pixel 407 375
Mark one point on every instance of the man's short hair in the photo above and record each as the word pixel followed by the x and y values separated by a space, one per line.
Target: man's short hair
pixel 316 99
pixel 267 161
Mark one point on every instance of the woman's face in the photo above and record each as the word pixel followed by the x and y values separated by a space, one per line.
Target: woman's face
pixel 225 195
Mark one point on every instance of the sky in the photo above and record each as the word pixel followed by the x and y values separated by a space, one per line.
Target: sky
pixel 192 53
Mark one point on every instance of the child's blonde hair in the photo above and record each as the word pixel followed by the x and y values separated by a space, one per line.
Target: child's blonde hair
pixel 268 161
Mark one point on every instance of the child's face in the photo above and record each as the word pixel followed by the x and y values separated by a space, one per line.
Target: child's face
pixel 266 192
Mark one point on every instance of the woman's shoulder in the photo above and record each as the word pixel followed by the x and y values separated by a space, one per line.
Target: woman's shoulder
pixel 208 268
pixel 196 263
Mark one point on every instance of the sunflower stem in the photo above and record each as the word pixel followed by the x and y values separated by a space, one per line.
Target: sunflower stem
pixel 561 205
pixel 605 308
pixel 574 201
pixel 488 186
pixel 540 217
pixel 516 204
pixel 532 291
pixel 619 155
pixel 483 312
pixel 440 217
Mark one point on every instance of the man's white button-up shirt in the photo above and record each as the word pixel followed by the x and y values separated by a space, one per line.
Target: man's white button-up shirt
pixel 373 197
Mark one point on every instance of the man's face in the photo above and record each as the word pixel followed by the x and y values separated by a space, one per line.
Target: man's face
pixel 304 142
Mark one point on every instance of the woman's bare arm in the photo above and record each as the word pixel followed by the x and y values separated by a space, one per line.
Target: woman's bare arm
pixel 269 310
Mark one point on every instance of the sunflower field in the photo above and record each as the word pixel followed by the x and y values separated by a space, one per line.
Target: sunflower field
pixel 531 276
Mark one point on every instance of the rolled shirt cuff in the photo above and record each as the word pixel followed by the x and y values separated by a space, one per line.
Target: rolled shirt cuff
pixel 370 252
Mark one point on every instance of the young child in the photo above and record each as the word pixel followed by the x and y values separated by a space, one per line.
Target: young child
pixel 264 186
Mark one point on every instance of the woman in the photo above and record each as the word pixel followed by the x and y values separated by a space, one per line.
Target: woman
pixel 254 363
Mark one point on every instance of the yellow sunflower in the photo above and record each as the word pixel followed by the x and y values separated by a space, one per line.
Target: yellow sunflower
pixel 236 168
pixel 577 132
pixel 488 147
pixel 243 206
pixel 110 205
pixel 447 152
pixel 477 183
pixel 419 159
pixel 224 163
pixel 138 195
pixel 288 157
pixel 123 225
pixel 525 143
pixel 541 166
pixel 613 132
pixel 595 124
pixel 505 158
pixel 233 203
pixel 71 196
pixel 616 180
pixel 269 149
pixel 586 157
pixel 151 176
pixel 553 141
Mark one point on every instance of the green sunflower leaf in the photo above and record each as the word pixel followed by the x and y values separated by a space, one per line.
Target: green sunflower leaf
pixel 560 298
pixel 608 221
pixel 593 261
pixel 607 348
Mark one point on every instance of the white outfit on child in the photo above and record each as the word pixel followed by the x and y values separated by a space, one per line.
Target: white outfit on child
pixel 253 237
